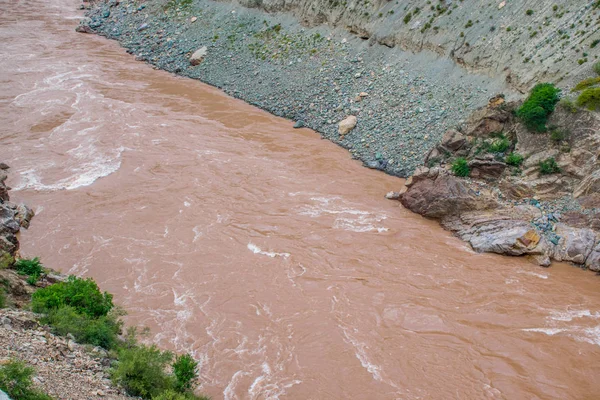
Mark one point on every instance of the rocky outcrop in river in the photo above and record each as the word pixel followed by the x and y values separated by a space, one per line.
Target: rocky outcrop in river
pixel 517 209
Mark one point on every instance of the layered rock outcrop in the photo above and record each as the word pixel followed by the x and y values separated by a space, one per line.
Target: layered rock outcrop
pixel 508 204
pixel 13 217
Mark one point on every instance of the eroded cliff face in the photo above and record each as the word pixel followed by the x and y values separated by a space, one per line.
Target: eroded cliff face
pixel 525 41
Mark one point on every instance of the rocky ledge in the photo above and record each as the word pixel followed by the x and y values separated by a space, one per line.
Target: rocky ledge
pixel 509 204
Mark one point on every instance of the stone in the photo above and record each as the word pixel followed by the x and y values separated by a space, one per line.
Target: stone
pixel 511 237
pixel 392 195
pixel 198 56
pixel 453 140
pixel 193 19
pixel 4 166
pixel 347 124
pixel 593 260
pixel 299 124
pixel 575 244
pixel 84 29
pixel 442 195
pixel 589 185
pixel 486 168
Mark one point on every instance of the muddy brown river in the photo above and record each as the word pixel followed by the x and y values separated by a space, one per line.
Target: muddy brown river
pixel 267 253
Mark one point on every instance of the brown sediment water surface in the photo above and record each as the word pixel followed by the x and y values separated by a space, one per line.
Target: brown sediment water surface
pixel 267 253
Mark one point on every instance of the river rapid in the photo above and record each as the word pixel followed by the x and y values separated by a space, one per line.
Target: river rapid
pixel 267 253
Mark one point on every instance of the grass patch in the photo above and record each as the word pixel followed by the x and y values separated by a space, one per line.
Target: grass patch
pixel 549 166
pixel 558 135
pixel 460 167
pixel 514 159
pixel 539 105
pixel 16 381
pixel 499 145
pixel 568 105
pixel 586 83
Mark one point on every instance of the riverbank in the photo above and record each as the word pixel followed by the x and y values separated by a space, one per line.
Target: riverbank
pixel 316 77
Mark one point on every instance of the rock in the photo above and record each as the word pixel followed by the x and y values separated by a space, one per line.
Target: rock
pixel 453 140
pixel 299 124
pixel 589 185
pixel 84 29
pixel 4 166
pixel 347 124
pixel 486 168
pixel 593 260
pixel 575 244
pixel 511 237
pixel 198 55
pixel 193 19
pixel 488 120
pixel 392 195
pixel 442 195
pixel 143 27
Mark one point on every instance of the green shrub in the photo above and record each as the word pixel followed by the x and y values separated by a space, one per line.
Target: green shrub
pixel 514 159
pixel 499 145
pixel 15 380
pixel 586 83
pixel 81 294
pixel 568 105
pixel 407 18
pixel 33 268
pixel 185 370
pixel 460 167
pixel 141 371
pixel 590 99
pixel 529 12
pixel 2 298
pixel 549 166
pixel 539 105
pixel 102 331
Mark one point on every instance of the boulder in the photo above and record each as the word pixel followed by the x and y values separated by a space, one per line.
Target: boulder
pixel 434 194
pixel 347 124
pixel 589 185
pixel 486 168
pixel 453 140
pixel 575 244
pixel 593 260
pixel 488 120
pixel 511 237
pixel 198 55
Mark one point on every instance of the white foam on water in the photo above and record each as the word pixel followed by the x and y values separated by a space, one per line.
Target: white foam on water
pixel 257 250
pixel 570 315
pixel 542 276
pixel 547 331
pixel 229 392
pixel 197 233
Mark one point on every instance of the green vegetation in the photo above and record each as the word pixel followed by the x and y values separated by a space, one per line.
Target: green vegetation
pixel 142 371
pixel 529 12
pixel 174 4
pixel 16 381
pixel 185 370
pixel 460 167
pixel 32 268
pixel 549 166
pixel 586 83
pixel 539 105
pixel 79 308
pixel 407 18
pixel 590 99
pixel 568 105
pixel 514 159
pixel 596 68
pixel 81 294
pixel 499 145
pixel 2 298
pixel 558 135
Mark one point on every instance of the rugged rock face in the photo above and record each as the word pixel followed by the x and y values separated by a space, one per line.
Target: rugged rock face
pixel 503 209
pixel 13 217
pixel 526 41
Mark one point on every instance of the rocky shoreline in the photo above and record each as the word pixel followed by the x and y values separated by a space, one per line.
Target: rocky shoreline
pixel 317 77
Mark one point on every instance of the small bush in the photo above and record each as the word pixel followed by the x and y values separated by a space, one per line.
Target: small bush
pixel 499 145
pixel 558 135
pixel 2 298
pixel 529 12
pixel 407 18
pixel 460 167
pixel 185 370
pixel 539 105
pixel 596 68
pixel 33 268
pixel 568 105
pixel 102 331
pixel 15 380
pixel 590 99
pixel 141 371
pixel 586 83
pixel 81 294
pixel 173 395
pixel 549 166
pixel 514 159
